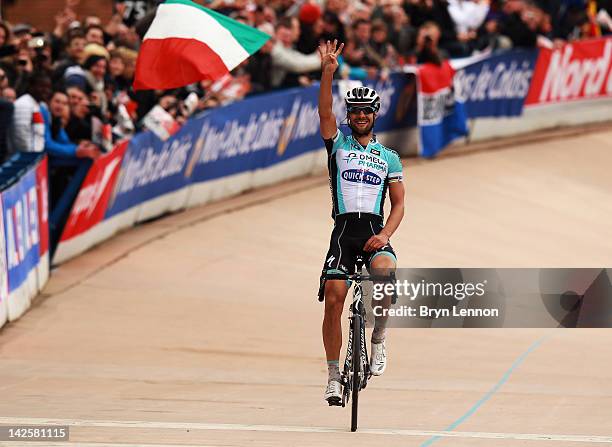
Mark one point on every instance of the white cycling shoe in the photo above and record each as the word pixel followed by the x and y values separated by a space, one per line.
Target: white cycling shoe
pixel 333 393
pixel 378 359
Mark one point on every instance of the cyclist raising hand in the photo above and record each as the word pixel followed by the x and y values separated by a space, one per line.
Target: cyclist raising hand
pixel 361 172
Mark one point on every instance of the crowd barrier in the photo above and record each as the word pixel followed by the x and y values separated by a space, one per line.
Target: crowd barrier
pixel 274 137
pixel 24 233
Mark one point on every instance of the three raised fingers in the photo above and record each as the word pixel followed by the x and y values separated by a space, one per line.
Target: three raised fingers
pixel 332 47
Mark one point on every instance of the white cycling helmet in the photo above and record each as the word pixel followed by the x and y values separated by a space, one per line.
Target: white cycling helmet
pixel 362 97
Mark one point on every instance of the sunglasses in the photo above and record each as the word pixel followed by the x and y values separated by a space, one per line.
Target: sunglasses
pixel 366 110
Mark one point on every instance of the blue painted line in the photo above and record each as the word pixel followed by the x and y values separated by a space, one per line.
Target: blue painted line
pixel 490 393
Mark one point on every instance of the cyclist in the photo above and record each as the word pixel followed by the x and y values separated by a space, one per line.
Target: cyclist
pixel 361 171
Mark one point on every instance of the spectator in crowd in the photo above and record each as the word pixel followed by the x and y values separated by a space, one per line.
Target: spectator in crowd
pixel 57 141
pixel 518 24
pixel 6 113
pixel 28 128
pixel 263 14
pixel 120 72
pixel 380 45
pixel 94 34
pixel 9 94
pixel 287 63
pixel 40 53
pixel 489 37
pixel 78 127
pixel 427 50
pixel 5 34
pixel 338 7
pixel 357 51
pixel 74 56
pixel 259 66
pixel 333 28
pixel 400 32
pixel 468 16
pixel 4 81
pixel 7 46
pixel 95 72
pixel 311 25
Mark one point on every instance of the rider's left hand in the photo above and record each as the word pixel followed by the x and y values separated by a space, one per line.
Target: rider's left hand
pixel 375 242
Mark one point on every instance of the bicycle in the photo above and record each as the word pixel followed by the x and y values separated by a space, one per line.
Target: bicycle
pixel 356 372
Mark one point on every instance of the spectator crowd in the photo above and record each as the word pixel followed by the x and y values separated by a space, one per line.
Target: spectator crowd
pixel 68 90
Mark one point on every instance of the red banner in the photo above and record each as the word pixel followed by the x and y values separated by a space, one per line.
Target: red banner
pixel 90 205
pixel 578 70
pixel 42 186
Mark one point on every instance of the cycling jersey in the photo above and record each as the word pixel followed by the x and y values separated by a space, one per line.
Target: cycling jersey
pixel 358 176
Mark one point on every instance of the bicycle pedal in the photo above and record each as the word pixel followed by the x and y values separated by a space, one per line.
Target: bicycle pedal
pixel 334 402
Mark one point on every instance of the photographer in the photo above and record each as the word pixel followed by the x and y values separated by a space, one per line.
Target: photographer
pixel 427 50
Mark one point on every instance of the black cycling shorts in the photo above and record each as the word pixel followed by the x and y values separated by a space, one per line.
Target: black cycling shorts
pixel 350 234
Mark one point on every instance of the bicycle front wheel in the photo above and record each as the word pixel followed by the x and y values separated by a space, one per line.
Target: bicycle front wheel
pixel 356 366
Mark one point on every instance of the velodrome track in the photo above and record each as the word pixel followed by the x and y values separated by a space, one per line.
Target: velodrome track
pixel 202 328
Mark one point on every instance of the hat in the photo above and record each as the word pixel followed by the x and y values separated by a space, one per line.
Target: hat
pixel 309 13
pixel 75 76
pixel 21 28
pixel 92 49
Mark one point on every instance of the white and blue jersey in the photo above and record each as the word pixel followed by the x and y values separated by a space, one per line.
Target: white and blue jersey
pixel 359 176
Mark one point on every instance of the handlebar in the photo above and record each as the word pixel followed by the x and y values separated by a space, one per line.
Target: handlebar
pixel 356 277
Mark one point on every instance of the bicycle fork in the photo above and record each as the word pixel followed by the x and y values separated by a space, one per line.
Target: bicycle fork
pixel 356 311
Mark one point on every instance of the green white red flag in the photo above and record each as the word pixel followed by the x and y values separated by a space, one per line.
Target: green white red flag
pixel 187 43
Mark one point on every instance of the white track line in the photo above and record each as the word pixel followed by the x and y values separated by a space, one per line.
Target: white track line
pixel 298 429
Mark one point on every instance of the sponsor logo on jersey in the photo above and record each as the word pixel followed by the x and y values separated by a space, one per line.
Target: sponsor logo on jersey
pixel 375 152
pixel 350 156
pixel 366 160
pixel 361 176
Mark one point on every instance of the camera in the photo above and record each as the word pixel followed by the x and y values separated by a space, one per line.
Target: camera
pixel 36 43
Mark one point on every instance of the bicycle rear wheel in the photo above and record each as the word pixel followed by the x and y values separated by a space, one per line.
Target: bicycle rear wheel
pixel 356 365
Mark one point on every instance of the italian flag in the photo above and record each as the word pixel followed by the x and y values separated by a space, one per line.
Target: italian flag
pixel 187 43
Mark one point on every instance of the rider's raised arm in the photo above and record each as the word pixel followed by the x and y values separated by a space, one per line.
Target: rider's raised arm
pixel 329 63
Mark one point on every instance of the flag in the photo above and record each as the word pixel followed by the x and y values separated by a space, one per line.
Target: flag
pixel 441 117
pixel 187 43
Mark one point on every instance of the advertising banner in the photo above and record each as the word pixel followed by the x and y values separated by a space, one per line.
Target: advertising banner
pixel 442 117
pixel 20 206
pixel 90 205
pixel 21 226
pixel 578 70
pixel 497 85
